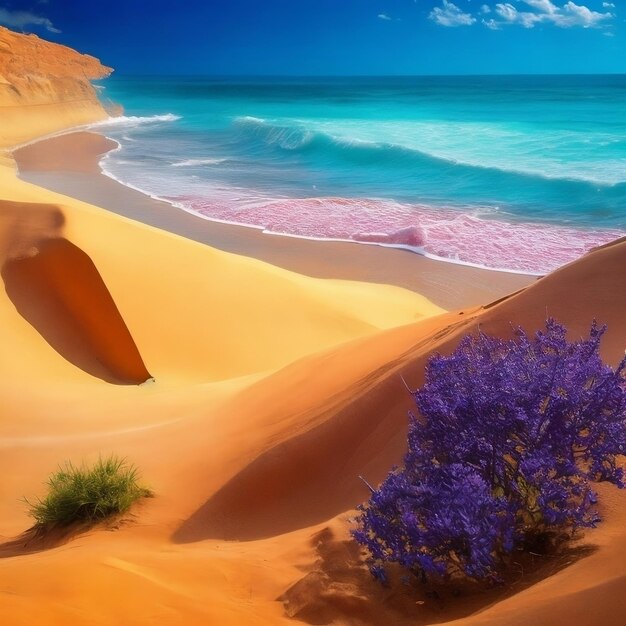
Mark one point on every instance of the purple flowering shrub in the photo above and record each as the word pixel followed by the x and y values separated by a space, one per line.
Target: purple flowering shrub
pixel 508 439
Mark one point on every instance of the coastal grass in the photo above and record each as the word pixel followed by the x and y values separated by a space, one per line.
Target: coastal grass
pixel 88 494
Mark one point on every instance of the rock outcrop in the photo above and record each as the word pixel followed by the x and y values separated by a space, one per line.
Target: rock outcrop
pixel 44 87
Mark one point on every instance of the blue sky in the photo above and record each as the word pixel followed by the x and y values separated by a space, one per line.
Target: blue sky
pixel 335 37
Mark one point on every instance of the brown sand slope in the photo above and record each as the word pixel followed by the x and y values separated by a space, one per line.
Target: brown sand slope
pixel 579 595
pixel 594 287
pixel 310 476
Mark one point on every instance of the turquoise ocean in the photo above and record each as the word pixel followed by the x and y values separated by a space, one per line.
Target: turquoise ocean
pixel 516 173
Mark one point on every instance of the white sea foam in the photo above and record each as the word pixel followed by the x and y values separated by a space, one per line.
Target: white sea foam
pixel 195 162
pixel 250 119
pixel 134 120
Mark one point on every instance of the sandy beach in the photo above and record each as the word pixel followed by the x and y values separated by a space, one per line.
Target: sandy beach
pixel 68 164
pixel 252 379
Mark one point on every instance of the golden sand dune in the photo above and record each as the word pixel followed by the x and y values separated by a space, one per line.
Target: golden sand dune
pixel 590 288
pixel 200 423
pixel 250 468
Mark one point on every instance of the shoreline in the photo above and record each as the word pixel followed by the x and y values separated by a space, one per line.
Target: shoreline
pixel 265 231
pixel 69 163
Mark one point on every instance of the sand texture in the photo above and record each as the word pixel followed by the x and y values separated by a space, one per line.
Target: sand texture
pixel 251 397
pixel 273 391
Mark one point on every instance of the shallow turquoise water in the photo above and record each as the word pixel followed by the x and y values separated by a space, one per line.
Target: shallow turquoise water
pixel 423 162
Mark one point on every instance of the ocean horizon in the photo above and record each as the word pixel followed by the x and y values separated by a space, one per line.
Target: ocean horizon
pixel 512 172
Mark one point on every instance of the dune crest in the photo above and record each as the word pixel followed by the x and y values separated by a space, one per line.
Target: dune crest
pixel 25 225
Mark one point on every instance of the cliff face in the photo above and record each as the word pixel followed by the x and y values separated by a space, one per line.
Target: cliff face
pixel 44 87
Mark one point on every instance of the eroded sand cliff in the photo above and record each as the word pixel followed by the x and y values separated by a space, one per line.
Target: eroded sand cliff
pixel 44 87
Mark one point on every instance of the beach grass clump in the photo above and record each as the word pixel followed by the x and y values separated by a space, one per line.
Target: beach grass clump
pixel 88 493
pixel 508 439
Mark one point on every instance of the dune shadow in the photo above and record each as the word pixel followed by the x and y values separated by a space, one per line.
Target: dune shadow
pixel 36 539
pixel 311 477
pixel 338 588
pixel 56 287
pixel 41 538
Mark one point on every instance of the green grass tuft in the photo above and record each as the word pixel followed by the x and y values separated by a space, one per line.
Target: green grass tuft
pixel 88 494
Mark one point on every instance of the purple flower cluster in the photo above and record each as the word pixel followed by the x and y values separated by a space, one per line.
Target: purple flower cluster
pixel 508 438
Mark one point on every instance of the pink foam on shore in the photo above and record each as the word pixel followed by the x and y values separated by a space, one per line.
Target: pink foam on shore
pixel 444 233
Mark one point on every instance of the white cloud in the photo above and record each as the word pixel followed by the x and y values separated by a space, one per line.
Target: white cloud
pixel 575 15
pixel 492 24
pixel 510 15
pixel 21 19
pixel 544 6
pixel 450 15
pixel 384 16
pixel 608 5
pixel 485 9
pixel 569 15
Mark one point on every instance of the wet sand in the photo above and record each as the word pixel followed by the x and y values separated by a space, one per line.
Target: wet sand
pixel 69 164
